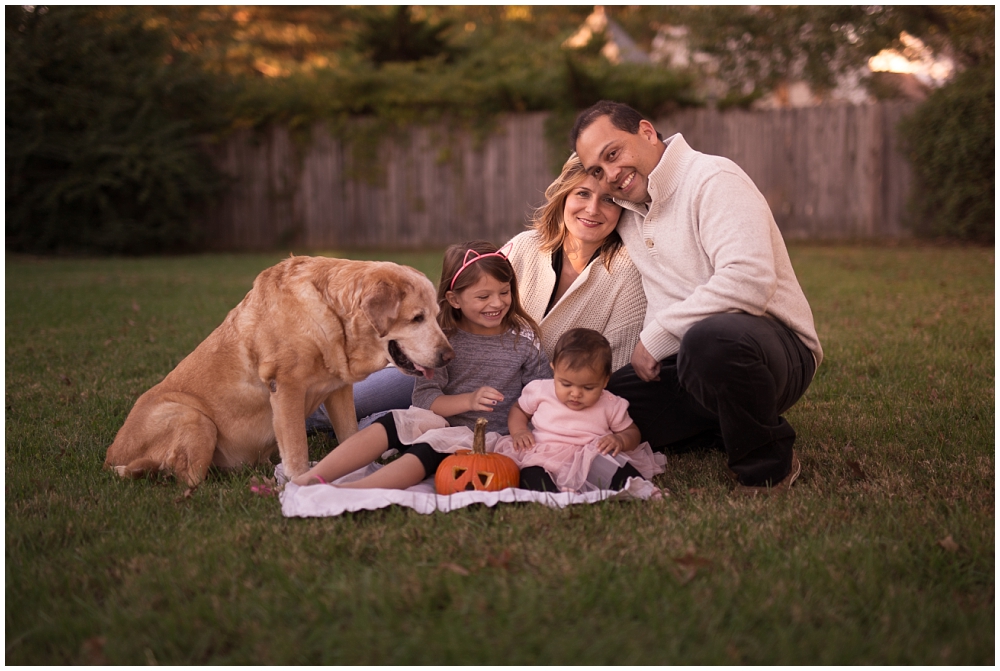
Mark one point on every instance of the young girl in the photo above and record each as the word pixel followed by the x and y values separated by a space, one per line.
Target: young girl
pixel 583 438
pixel 497 352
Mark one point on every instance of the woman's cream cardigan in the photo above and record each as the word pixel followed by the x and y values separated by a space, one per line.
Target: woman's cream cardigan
pixel 612 303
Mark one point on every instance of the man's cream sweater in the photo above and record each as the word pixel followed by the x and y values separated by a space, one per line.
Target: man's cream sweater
pixel 708 244
pixel 612 303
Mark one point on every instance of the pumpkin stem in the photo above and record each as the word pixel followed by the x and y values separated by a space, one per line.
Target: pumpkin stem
pixel 479 437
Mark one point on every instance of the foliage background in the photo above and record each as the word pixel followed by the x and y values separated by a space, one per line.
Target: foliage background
pixel 951 143
pixel 107 108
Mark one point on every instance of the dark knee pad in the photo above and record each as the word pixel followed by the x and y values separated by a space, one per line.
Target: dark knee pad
pixel 428 456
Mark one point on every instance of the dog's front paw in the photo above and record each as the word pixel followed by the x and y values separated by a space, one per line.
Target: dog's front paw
pixel 294 469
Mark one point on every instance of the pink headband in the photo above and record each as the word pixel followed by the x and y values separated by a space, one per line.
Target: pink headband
pixel 503 253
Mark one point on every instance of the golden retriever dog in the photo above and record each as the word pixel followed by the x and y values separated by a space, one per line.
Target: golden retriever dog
pixel 304 334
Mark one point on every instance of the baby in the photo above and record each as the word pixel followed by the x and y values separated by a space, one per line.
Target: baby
pixel 583 437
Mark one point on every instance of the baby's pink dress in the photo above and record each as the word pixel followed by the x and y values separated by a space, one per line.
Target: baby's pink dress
pixel 566 439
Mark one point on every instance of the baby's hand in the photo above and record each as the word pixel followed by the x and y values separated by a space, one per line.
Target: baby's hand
pixel 523 440
pixel 610 444
pixel 484 398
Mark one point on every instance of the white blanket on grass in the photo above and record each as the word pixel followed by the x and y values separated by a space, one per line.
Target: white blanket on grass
pixel 327 501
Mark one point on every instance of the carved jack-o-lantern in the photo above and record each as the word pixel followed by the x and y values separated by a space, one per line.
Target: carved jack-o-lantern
pixel 476 470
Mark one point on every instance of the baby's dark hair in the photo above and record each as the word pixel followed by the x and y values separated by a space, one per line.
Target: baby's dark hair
pixel 583 348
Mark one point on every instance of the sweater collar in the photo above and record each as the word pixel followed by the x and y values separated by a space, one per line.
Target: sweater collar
pixel 666 176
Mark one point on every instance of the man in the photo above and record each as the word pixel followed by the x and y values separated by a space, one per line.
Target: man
pixel 728 342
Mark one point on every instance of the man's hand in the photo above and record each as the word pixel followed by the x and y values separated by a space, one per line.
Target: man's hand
pixel 646 367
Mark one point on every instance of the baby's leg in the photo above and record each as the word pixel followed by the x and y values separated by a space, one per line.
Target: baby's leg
pixel 359 450
pixel 537 479
pixel 607 472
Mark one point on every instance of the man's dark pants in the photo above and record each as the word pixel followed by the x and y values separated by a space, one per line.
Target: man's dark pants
pixel 732 377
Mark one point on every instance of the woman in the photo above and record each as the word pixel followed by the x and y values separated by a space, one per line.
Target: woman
pixel 572 271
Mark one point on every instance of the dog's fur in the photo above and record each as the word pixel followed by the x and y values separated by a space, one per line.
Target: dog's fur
pixel 305 333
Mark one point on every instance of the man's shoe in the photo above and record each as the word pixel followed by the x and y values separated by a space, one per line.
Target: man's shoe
pixel 781 487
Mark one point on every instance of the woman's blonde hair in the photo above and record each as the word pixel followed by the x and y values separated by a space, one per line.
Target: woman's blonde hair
pixel 548 219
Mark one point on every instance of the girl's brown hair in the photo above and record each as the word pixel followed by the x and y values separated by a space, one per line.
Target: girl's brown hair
pixel 497 267
pixel 548 219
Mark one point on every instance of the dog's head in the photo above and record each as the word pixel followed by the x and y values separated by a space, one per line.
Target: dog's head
pixel 401 305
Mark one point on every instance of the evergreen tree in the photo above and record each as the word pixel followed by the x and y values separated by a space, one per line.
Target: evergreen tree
pixel 103 120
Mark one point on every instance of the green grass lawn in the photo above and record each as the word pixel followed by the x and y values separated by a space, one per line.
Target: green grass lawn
pixel 883 553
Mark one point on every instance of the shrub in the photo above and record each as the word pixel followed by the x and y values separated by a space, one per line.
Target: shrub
pixel 102 125
pixel 950 140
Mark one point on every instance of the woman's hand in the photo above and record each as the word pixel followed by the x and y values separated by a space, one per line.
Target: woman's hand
pixel 484 399
pixel 523 440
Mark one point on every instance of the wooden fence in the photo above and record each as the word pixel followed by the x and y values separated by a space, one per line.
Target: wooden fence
pixel 828 173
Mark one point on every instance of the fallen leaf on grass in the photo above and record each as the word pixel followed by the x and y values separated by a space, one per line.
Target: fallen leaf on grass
pixel 501 560
pixel 690 559
pixel 65 380
pixel 93 651
pixel 689 564
pixel 454 568
pixel 949 544
pixel 856 469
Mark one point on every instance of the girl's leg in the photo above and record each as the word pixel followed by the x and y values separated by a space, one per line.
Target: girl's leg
pixel 359 450
pixel 399 474
pixel 417 462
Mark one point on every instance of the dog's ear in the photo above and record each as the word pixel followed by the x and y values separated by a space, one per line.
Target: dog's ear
pixel 380 305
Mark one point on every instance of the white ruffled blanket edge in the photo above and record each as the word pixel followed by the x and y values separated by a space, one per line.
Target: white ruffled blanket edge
pixel 327 501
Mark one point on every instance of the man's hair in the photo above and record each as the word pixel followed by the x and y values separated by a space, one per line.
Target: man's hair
pixel 583 348
pixel 620 115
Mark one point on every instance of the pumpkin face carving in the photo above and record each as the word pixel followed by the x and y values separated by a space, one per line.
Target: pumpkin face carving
pixel 476 470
